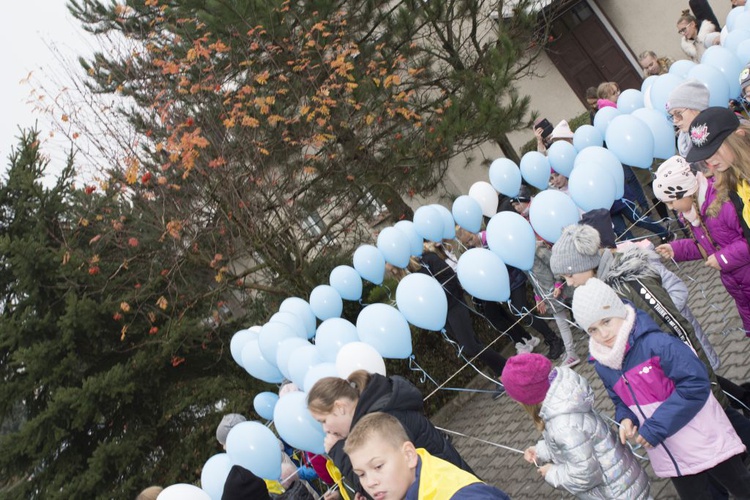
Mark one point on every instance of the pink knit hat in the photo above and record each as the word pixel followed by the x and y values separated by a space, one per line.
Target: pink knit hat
pixel 526 378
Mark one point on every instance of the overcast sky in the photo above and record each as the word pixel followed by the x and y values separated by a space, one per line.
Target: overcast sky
pixel 28 28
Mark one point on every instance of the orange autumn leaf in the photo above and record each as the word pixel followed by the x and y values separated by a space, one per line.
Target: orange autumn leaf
pixel 162 303
pixel 125 306
pixel 64 118
pixel 262 78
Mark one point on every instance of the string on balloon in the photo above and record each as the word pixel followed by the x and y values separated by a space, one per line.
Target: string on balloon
pixel 632 206
pixel 424 376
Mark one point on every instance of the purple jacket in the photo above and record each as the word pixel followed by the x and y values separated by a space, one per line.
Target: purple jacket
pixel 732 254
pixel 664 389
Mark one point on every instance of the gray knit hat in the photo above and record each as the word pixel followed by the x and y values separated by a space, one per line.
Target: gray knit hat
pixel 744 78
pixel 576 250
pixel 690 94
pixel 595 301
pixel 226 424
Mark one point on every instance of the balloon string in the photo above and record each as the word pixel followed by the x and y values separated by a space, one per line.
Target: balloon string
pixel 629 204
pixel 472 359
pixel 498 445
pixel 459 348
pixel 423 375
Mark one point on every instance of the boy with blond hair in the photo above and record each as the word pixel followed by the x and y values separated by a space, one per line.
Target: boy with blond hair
pixel 389 467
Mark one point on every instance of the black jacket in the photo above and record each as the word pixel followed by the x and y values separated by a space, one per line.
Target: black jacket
pixel 400 398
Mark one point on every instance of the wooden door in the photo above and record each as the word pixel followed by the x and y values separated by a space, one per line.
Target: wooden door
pixel 586 54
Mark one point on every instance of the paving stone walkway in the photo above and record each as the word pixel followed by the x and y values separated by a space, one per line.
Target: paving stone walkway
pixel 504 422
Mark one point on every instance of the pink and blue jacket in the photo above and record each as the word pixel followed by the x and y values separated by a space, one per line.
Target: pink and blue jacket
pixel 729 246
pixel 664 389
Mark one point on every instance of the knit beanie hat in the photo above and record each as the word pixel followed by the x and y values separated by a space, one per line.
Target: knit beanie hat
pixel 576 250
pixel 526 377
pixel 601 220
pixel 744 78
pixel 226 424
pixel 674 180
pixel 561 131
pixel 595 301
pixel 690 94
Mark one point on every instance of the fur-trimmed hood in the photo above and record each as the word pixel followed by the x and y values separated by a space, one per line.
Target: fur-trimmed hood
pixel 633 263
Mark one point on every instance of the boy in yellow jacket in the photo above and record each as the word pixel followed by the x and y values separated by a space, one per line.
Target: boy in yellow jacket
pixel 391 468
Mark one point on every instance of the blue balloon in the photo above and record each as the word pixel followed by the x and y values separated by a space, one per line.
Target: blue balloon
pixel 727 62
pixel 269 338
pixel 370 263
pixel 467 212
pixel 254 446
pixel 292 321
pixel 592 187
pixel 319 371
pixel 264 403
pixel 607 159
pixel 385 328
pixel 662 130
pixel 300 361
pixel 238 342
pixel 296 426
pixel 483 275
pixel 741 22
pixel 511 237
pixel 428 223
pixel 286 348
pixel 214 475
pixel 333 334
pixel 680 68
pixel 326 302
pixel 256 365
pixel 711 77
pixel 604 117
pixel 449 225
pixel 630 100
pixel 735 38
pixel 743 51
pixel 301 308
pixel 535 169
pixel 505 177
pixel 587 136
pixel 631 141
pixel 561 155
pixel 660 90
pixel 347 281
pixel 551 211
pixel 394 245
pixel 732 17
pixel 415 241
pixel 422 301
pixel 646 86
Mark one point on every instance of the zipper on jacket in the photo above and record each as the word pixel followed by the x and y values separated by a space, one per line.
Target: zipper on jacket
pixel 638 405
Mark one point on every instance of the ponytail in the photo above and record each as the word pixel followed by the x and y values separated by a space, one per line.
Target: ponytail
pixel 328 390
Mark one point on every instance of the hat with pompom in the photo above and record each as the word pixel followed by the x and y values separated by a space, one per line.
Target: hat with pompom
pixel 576 251
pixel 526 378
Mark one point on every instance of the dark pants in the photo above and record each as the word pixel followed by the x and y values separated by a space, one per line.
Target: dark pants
pixel 502 321
pixel 731 473
pixel 520 303
pixel 460 329
pixel 632 214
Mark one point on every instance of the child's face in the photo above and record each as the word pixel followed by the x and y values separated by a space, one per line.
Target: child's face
pixel 338 422
pixel 722 159
pixel 520 206
pixel 385 471
pixel 650 65
pixel 578 279
pixel 558 181
pixel 605 330
pixel 683 205
pixel 592 102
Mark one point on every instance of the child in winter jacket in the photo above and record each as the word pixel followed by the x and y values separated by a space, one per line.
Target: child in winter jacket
pixel 714 225
pixel 662 396
pixel 588 459
pixel 390 467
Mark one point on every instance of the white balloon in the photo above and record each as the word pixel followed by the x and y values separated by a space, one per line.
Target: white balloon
pixel 359 356
pixel 182 491
pixel 486 196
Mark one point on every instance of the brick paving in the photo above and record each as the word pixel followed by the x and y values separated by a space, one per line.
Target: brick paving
pixel 504 422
